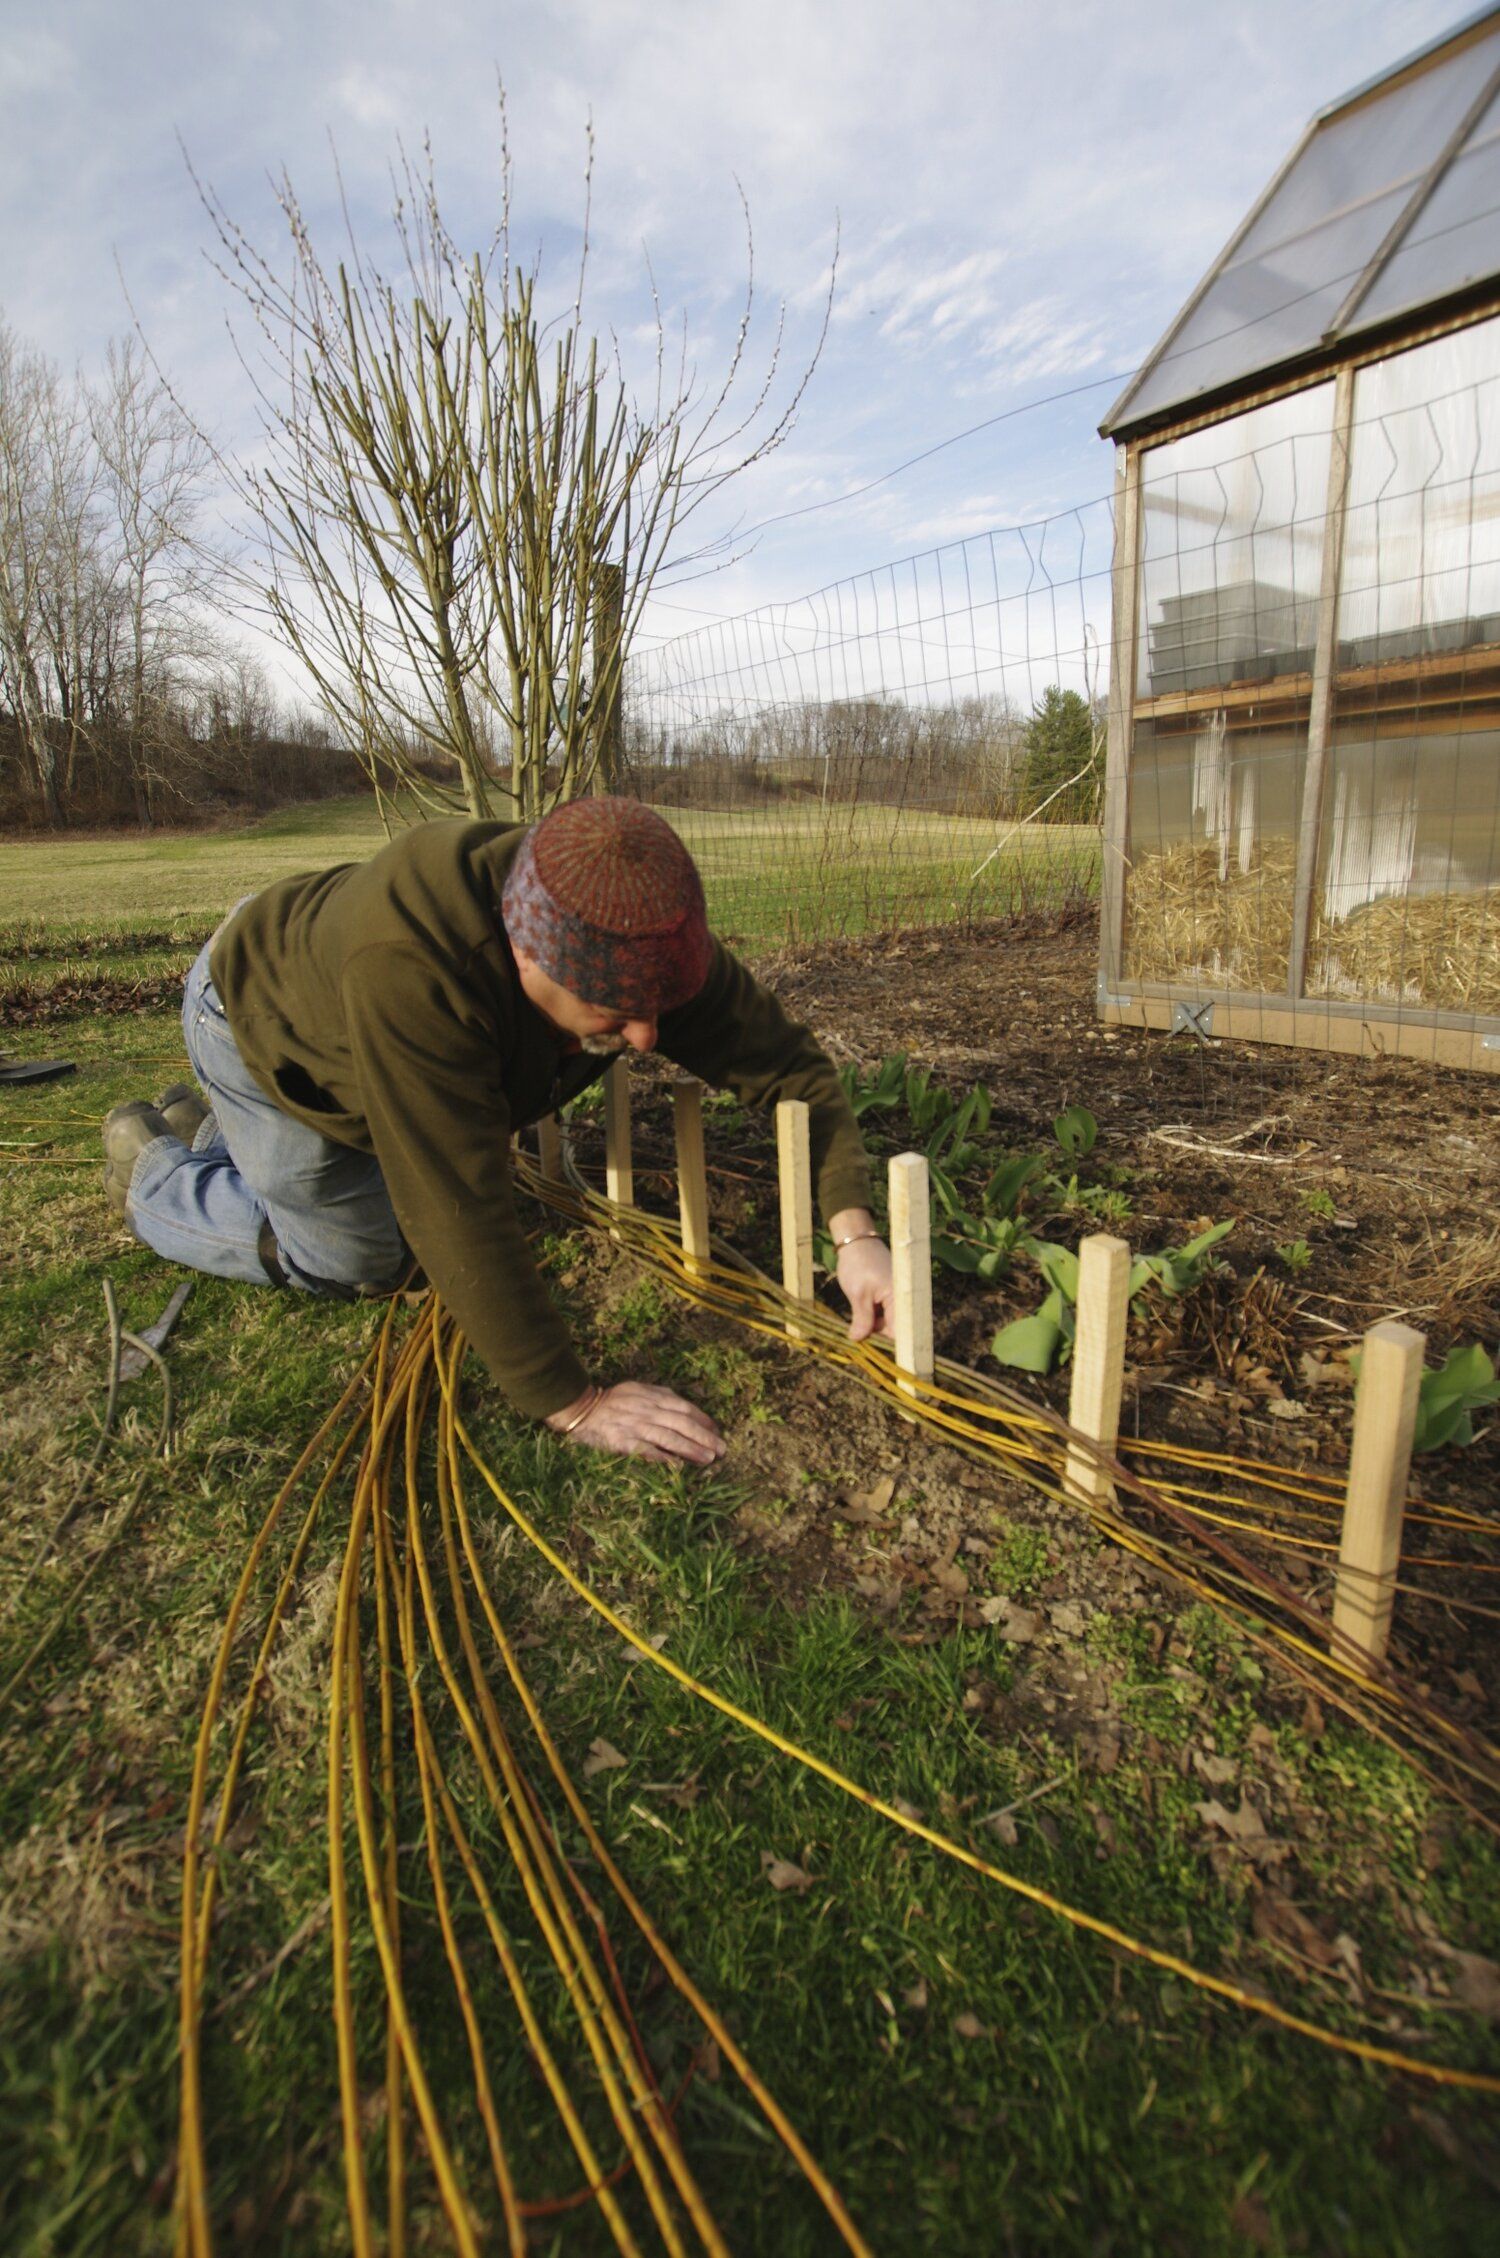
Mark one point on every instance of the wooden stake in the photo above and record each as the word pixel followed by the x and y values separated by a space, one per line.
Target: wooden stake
pixel 692 1176
pixel 549 1148
pixel 911 1257
pixel 619 1177
pixel 1385 1416
pixel 1098 1361
pixel 794 1167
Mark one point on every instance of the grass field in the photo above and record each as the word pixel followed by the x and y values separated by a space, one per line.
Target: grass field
pixel 979 2081
pixel 770 874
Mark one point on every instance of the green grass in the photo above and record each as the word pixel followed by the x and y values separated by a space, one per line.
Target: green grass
pixel 977 2078
pixel 770 874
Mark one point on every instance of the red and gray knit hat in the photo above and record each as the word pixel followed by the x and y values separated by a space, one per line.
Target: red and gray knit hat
pixel 606 898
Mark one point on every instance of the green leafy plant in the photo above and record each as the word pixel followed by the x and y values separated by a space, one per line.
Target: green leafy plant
pixel 1038 1342
pixel 1451 1395
pixel 1076 1131
pixel 1294 1255
pixel 876 1091
pixel 1101 1201
pixel 979 1246
pixel 1318 1202
pixel 1177 1270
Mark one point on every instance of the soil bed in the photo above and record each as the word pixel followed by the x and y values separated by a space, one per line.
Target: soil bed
pixel 1255 1360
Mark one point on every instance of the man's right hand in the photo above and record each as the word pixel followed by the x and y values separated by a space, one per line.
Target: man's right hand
pixel 637 1420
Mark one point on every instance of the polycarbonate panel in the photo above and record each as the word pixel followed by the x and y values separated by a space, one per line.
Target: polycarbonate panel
pixel 1276 297
pixel 1266 310
pixel 1212 855
pixel 1406 911
pixel 1387 140
pixel 1421 561
pixel 1454 239
pixel 1231 547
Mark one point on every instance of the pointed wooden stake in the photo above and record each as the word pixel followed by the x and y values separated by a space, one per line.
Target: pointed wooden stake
pixel 794 1167
pixel 1385 1417
pixel 911 1258
pixel 1098 1361
pixel 692 1176
pixel 619 1177
pixel 549 1148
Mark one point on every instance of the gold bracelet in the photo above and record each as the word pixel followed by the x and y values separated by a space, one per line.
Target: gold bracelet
pixel 595 1398
pixel 853 1239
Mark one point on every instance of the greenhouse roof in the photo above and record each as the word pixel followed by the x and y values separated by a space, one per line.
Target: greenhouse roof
pixel 1389 204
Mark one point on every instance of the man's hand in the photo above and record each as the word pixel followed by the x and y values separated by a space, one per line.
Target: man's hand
pixel 864 1274
pixel 637 1420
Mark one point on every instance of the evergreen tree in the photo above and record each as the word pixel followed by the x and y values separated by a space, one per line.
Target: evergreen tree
pixel 1063 740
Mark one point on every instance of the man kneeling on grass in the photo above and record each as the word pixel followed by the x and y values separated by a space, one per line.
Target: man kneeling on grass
pixel 368 1037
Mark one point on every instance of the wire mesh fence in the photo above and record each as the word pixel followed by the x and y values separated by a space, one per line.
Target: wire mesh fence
pixel 915 744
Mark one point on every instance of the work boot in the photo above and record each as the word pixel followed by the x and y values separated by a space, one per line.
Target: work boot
pixel 128 1130
pixel 182 1108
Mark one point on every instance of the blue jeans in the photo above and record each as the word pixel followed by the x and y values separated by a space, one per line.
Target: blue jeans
pixel 251 1165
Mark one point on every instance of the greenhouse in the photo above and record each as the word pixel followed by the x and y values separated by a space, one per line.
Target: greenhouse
pixel 1302 829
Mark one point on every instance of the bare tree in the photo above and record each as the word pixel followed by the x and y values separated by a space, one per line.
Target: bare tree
pixel 152 464
pixel 31 412
pixel 464 506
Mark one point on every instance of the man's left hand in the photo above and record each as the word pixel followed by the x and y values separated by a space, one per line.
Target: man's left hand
pixel 864 1274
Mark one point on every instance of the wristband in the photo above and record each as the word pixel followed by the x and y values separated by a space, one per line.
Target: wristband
pixel 854 1239
pixel 595 1397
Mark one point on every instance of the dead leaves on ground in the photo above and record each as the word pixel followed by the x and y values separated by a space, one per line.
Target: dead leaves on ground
pixel 785 1874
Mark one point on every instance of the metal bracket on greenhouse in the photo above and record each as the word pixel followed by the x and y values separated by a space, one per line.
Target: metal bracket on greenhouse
pixel 1192 1019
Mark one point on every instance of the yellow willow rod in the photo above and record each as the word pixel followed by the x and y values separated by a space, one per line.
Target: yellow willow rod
pixel 927 1402
pixel 1342 1660
pixel 194 2234
pixel 356 2190
pixel 1305 1482
pixel 400 1585
pixel 451 1503
pixel 375 1426
pixel 644 2096
pixel 556 2086
pixel 1310 1665
pixel 348 1692
pixel 1314 1488
pixel 1316 1666
pixel 1217 1986
pixel 822 2186
pixel 395 2112
pixel 593 2169
pixel 515 1844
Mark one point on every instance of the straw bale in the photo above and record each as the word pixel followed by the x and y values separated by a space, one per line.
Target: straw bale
pixel 1438 951
pixel 1190 927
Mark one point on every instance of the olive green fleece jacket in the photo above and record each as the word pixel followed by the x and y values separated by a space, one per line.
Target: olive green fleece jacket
pixel 379 1003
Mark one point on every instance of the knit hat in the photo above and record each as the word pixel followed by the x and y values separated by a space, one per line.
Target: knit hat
pixel 605 897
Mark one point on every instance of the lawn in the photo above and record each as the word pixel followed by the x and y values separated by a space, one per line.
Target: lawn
pixel 787 869
pixel 975 2077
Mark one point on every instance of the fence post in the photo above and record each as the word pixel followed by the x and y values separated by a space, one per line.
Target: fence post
pixel 619 1177
pixel 794 1170
pixel 1385 1417
pixel 911 1258
pixel 1098 1362
pixel 692 1175
pixel 549 1148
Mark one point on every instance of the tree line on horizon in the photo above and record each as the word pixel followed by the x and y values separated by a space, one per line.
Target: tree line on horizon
pixel 121 698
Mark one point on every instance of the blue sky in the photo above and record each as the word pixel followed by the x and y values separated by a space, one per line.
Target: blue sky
pixel 1025 196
